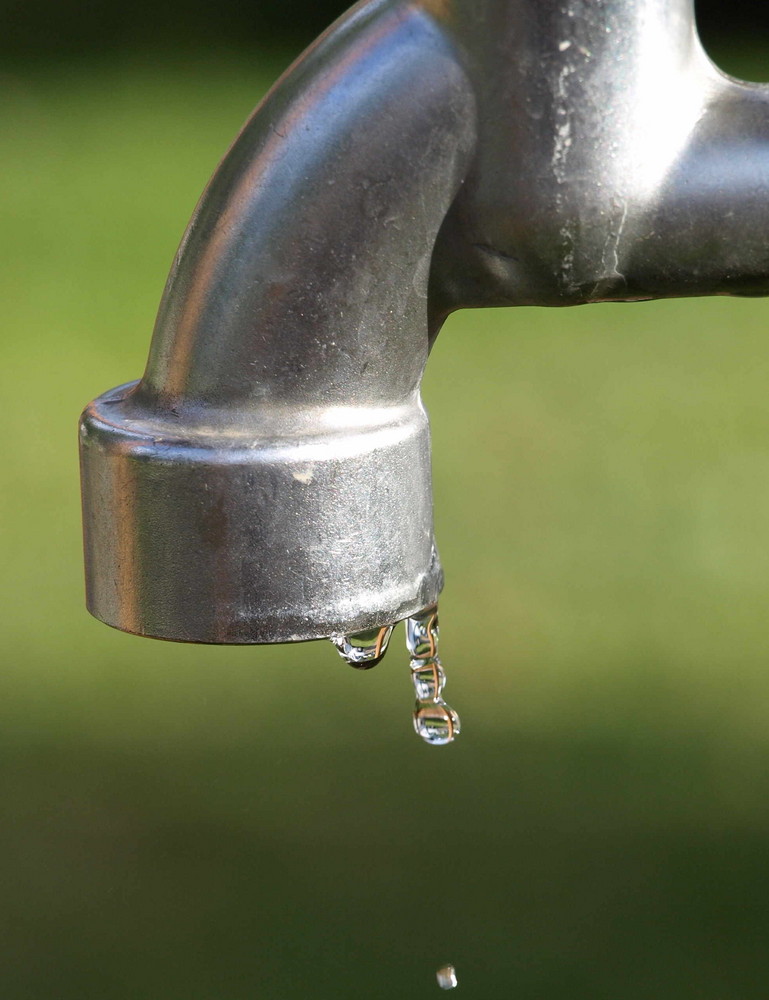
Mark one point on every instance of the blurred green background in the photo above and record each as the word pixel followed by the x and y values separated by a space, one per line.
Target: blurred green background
pixel 198 823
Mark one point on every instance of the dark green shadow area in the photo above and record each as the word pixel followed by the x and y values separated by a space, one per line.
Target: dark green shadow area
pixel 541 867
pixel 223 824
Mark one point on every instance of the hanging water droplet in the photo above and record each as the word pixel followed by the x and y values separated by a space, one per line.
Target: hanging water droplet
pixel 364 649
pixel 429 678
pixel 422 633
pixel 435 721
pixel 447 977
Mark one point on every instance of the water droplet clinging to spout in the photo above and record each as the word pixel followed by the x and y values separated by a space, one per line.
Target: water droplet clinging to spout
pixel 435 721
pixel 365 649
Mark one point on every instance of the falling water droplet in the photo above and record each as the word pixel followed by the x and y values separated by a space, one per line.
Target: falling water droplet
pixel 364 649
pixel 447 977
pixel 435 721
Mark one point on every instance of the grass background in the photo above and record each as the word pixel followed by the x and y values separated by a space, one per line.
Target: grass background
pixel 225 823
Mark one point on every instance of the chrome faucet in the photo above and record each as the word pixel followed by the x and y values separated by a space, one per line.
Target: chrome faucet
pixel 268 479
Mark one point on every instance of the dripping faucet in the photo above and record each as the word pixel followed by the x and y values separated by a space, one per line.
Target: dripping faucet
pixel 268 478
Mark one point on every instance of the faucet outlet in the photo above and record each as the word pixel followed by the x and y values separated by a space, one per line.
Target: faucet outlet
pixel 268 479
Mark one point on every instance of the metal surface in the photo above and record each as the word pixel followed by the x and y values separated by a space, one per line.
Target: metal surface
pixel 268 479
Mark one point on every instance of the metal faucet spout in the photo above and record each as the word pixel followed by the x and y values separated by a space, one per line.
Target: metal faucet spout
pixel 268 479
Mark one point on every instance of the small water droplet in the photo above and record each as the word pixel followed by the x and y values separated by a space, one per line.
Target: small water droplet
pixel 364 649
pixel 435 721
pixel 447 977
pixel 422 633
pixel 429 679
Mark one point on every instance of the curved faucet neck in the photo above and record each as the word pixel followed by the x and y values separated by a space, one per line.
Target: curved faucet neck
pixel 269 479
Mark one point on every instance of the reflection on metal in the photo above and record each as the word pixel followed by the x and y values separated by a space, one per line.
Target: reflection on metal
pixel 268 479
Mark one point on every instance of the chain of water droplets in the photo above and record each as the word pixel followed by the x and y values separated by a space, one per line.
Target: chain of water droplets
pixel 435 721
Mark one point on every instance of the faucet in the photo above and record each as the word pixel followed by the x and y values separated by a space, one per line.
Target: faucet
pixel 268 479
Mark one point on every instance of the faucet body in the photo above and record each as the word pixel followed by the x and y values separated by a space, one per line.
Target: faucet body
pixel 268 479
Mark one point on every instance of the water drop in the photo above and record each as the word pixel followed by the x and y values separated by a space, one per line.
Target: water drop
pixel 447 977
pixel 422 633
pixel 435 721
pixel 364 649
pixel 429 679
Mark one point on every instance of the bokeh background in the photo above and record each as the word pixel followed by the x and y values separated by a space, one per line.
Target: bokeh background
pixel 197 823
